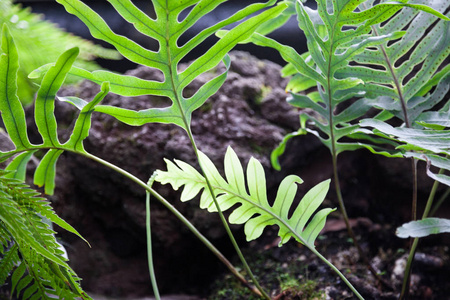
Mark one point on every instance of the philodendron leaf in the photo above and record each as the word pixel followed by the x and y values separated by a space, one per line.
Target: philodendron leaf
pixel 422 228
pixel 254 209
pixel 166 29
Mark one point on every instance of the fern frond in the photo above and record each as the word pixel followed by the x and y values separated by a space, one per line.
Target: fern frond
pixel 408 67
pixel 40 42
pixel 13 115
pixel 254 211
pixel 10 258
pixel 166 29
pixel 337 33
pixel 34 254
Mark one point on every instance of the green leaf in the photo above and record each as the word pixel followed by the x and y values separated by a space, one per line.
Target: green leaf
pixel 83 123
pixel 40 263
pixel 100 30
pixel 426 40
pixel 279 150
pixel 436 141
pixel 12 111
pixel 45 100
pixel 342 32
pixel 166 30
pixel 18 165
pixel 46 171
pixel 254 209
pixel 124 85
pixel 39 42
pixel 422 228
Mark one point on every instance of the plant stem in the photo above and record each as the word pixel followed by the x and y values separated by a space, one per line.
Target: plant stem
pixel 335 269
pixel 407 276
pixel 180 216
pixel 151 268
pixel 440 201
pixel 225 223
pixel 349 227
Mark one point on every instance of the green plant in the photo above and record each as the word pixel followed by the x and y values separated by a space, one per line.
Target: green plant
pixel 40 42
pixel 29 250
pixel 166 29
pixel 337 33
pixel 361 56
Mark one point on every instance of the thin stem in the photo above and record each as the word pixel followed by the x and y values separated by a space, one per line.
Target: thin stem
pixel 180 216
pixel 414 201
pixel 225 223
pixel 440 201
pixel 407 276
pixel 151 268
pixel 430 200
pixel 349 227
pixel 335 269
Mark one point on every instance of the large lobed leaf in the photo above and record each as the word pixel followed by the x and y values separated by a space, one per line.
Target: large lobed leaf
pixel 254 209
pixel 348 59
pixel 166 29
pixel 13 115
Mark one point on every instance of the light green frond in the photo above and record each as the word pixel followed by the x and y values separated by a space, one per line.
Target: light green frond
pixel 40 42
pixel 249 191
pixel 166 29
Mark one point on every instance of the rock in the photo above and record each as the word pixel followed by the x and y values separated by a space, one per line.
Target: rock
pixel 109 210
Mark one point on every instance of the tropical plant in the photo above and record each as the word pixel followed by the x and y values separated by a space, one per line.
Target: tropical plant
pixel 40 42
pixel 166 29
pixel 254 210
pixel 28 246
pixel 361 56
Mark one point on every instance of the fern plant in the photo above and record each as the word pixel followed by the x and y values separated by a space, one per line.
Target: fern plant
pixel 166 29
pixel 355 69
pixel 40 42
pixel 254 210
pixel 13 117
pixel 29 250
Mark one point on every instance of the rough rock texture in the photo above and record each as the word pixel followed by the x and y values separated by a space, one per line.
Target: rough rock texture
pixel 249 113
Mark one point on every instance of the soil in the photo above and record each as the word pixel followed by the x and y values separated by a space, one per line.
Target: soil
pixel 250 114
pixel 293 272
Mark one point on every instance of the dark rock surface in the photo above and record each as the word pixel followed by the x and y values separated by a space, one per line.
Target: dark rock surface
pixel 249 113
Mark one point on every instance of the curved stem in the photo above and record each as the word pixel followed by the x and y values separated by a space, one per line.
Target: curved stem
pixel 335 269
pixel 407 276
pixel 225 223
pixel 151 268
pixel 440 201
pixel 180 216
pixel 349 227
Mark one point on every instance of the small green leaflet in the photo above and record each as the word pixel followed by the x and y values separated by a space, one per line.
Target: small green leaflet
pixel 422 228
pixel 254 211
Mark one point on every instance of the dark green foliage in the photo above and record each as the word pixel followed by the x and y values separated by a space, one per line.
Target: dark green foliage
pixel 29 250
pixel 13 115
